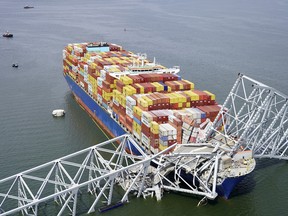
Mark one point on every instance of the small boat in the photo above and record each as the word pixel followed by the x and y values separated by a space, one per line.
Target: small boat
pixel 28 7
pixel 15 65
pixel 7 34
pixel 58 112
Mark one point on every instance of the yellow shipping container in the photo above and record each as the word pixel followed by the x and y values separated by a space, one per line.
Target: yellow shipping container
pixel 192 95
pixel 173 98
pixel 191 84
pixel 93 65
pixel 181 87
pixel 85 60
pixel 70 48
pixel 71 57
pixel 122 100
pixel 141 88
pixel 137 110
pixel 143 102
pixel 154 125
pixel 116 95
pixel 212 95
pixel 133 90
pixel 87 55
pixel 126 80
pixel 136 127
pixel 161 147
pixel 149 101
pixel 154 131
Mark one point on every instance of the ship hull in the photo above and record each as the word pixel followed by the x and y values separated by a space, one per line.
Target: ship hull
pixel 223 190
pixel 114 129
pixel 102 117
pixel 227 186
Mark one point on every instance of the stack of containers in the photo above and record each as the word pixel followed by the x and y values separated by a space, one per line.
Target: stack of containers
pixel 210 111
pixel 167 136
pixel 142 115
pixel 176 123
pixel 197 115
pixel 137 113
pixel 130 103
pixel 187 128
pixel 146 119
pixel 154 140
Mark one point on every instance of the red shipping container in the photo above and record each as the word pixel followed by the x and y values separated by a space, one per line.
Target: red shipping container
pixel 99 90
pixel 129 121
pixel 109 78
pixel 136 78
pixel 171 142
pixel 137 116
pixel 154 143
pixel 122 119
pixel 145 130
pixel 202 95
pixel 119 85
pixel 174 106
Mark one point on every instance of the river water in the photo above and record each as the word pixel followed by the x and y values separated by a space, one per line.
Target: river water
pixel 212 41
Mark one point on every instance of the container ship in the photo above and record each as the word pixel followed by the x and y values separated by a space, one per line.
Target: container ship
pixel 125 92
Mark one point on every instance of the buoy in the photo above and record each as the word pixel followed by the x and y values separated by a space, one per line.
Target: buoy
pixel 58 112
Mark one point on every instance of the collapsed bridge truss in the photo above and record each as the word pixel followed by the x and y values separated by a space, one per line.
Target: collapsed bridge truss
pixel 255 117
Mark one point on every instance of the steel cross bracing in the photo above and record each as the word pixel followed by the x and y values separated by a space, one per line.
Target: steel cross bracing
pixel 98 170
pixel 255 117
pixel 95 170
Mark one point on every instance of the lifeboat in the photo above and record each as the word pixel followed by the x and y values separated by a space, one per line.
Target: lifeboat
pixel 58 112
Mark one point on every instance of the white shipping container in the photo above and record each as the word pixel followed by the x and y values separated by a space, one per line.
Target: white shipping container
pixel 169 129
pixel 146 118
pixel 187 132
pixel 81 84
pixel 90 89
pixel 129 112
pixel 85 68
pixel 163 130
pixel 154 150
pixel 115 102
pixel 93 58
pixel 74 69
pixel 99 82
pixel 136 135
pixel 171 118
pixel 195 132
pixel 145 140
pixel 103 74
pixel 86 79
pixel 64 54
pixel 99 98
pixel 187 126
pixel 144 121
pixel 172 137
pixel 130 101
pixel 163 143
